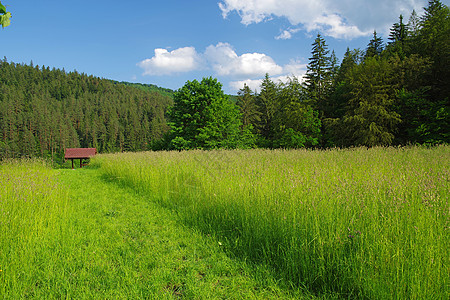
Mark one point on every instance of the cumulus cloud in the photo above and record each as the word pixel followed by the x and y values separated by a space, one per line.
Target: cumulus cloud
pixel 293 69
pixel 225 62
pixel 177 61
pixel 340 19
pixel 253 84
pixel 222 59
pixel 287 34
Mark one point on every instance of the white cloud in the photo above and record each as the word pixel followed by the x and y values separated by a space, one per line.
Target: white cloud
pixel 339 19
pixel 221 58
pixel 177 61
pixel 248 68
pixel 287 34
pixel 293 69
pixel 253 84
pixel 226 62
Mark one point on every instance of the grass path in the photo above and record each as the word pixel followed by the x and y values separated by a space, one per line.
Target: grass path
pixel 122 245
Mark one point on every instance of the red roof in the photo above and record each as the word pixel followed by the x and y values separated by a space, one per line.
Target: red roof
pixel 80 152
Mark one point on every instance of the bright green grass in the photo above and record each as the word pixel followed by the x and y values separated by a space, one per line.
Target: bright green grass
pixel 357 223
pixel 71 234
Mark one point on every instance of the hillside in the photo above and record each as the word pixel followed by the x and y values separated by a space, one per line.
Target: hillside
pixel 148 87
pixel 43 111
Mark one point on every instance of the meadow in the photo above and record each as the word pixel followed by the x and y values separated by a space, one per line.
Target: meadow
pixel 71 234
pixel 243 224
pixel 364 223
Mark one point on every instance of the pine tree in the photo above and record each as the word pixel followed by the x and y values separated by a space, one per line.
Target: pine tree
pixel 414 24
pixel 267 106
pixel 248 107
pixel 434 42
pixel 370 119
pixel 398 40
pixel 319 74
pixel 375 46
pixel 296 124
pixel 398 32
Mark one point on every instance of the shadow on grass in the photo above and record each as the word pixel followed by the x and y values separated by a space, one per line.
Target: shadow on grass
pixel 229 230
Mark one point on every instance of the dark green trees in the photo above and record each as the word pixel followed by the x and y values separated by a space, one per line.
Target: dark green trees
pixel 370 119
pixel 280 115
pixel 375 46
pixel 203 117
pixel 248 107
pixel 43 111
pixel 296 122
pixel 318 77
pixel 396 95
pixel 267 102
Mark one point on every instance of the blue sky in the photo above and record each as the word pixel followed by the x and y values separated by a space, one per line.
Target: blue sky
pixel 171 41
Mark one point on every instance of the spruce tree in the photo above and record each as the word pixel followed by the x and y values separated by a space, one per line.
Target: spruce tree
pixel 296 123
pixel 267 106
pixel 370 119
pixel 434 43
pixel 398 32
pixel 319 74
pixel 375 46
pixel 248 107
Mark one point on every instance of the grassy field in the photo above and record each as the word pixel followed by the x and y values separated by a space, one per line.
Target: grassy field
pixel 72 234
pixel 353 223
pixel 253 224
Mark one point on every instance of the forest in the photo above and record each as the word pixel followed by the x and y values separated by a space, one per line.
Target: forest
pixel 43 111
pixel 393 92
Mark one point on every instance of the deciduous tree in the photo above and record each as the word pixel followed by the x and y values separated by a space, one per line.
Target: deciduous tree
pixel 203 117
pixel 5 16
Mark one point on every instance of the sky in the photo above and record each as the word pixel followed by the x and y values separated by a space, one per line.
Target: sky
pixel 168 42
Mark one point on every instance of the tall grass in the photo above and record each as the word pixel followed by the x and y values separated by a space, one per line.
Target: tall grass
pixel 32 205
pixel 360 223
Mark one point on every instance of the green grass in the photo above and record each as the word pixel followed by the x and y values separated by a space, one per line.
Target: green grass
pixel 72 234
pixel 252 224
pixel 353 223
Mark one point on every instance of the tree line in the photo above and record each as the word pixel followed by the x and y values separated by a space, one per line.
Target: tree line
pixel 392 93
pixel 43 111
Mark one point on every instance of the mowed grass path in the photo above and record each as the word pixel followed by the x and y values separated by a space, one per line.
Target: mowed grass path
pixel 133 248
pixel 116 244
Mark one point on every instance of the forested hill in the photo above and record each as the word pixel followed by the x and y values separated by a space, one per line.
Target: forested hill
pixel 148 87
pixel 43 111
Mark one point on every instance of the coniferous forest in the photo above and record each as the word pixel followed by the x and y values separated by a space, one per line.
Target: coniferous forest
pixel 44 111
pixel 393 92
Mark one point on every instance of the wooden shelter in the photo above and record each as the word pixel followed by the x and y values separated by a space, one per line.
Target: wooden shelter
pixel 79 153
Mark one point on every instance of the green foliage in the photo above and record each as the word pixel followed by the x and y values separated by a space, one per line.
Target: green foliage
pixel 296 124
pixel 375 46
pixel 319 73
pixel 267 103
pixel 370 119
pixel 148 88
pixel 397 95
pixel 203 117
pixel 248 107
pixel 45 111
pixel 5 16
